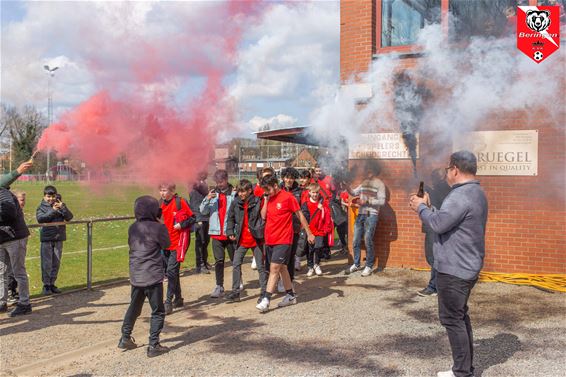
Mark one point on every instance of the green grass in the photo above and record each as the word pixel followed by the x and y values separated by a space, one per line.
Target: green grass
pixel 110 239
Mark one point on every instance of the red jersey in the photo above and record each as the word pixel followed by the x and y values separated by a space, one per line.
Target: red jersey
pixel 169 210
pixel 327 186
pixel 304 196
pixel 246 238
pixel 258 191
pixel 222 209
pixel 279 222
pixel 320 222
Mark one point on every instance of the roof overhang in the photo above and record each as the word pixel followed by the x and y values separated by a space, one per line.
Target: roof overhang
pixel 295 135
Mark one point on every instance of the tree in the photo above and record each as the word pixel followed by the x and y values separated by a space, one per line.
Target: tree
pixel 24 128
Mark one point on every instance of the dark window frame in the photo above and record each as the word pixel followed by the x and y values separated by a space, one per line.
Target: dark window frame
pixel 413 48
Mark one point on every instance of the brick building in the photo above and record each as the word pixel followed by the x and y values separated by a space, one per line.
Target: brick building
pixel 527 220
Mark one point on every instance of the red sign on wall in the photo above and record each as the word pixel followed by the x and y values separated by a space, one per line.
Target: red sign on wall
pixel 538 31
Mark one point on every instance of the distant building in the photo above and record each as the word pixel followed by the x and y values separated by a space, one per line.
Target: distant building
pixel 305 159
pixel 252 166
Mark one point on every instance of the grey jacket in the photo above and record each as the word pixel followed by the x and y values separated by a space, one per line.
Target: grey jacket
pixel 459 244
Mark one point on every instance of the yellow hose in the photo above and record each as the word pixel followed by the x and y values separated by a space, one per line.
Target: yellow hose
pixel 552 282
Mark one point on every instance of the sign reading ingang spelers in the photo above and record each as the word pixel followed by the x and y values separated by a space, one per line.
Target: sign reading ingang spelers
pixel 383 146
pixel 502 152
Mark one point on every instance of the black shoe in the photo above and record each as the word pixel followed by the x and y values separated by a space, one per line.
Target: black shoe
pixel 3 308
pixel 208 266
pixel 233 296
pixel 168 308
pixel 127 343
pixel 46 290
pixel 427 292
pixel 178 303
pixel 54 289
pixel 156 350
pixel 20 310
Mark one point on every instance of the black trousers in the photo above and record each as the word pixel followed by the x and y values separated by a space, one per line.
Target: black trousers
pixel 154 294
pixel 218 249
pixel 172 268
pixel 201 243
pixel 342 231
pixel 453 294
pixel 291 263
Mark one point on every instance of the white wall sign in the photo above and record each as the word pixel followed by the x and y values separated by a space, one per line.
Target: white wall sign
pixel 502 152
pixel 382 146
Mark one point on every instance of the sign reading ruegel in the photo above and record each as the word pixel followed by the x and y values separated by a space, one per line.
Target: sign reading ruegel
pixel 502 152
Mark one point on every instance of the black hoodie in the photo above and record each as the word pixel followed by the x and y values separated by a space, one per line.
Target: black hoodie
pixel 146 238
pixel 12 222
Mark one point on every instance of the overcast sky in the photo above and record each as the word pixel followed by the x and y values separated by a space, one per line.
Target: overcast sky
pixel 286 62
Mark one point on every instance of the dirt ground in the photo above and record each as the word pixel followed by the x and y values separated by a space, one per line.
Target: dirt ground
pixel 341 326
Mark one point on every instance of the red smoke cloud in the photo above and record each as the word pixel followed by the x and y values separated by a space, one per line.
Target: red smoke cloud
pixel 159 140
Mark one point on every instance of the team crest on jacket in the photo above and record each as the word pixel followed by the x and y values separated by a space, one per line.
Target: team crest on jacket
pixel 538 31
pixel 278 205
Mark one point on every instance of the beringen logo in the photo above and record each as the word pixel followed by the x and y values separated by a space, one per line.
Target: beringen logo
pixel 538 20
pixel 538 31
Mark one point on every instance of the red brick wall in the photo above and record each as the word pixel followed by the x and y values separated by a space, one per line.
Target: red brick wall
pixel 527 217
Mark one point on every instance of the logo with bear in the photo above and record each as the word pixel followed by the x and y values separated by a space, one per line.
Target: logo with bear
pixel 538 31
pixel 538 20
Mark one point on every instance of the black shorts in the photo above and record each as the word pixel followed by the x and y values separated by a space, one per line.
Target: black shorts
pixel 278 254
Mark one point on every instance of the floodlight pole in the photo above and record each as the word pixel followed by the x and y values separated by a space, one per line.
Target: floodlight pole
pixel 50 72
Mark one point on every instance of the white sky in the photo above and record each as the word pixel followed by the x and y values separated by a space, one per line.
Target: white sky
pixel 285 66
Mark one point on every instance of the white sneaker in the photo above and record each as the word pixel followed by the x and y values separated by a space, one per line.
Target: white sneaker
pixel 354 268
pixel 241 287
pixel 280 287
pixel 317 270
pixel 297 263
pixel 263 305
pixel 447 373
pixel 310 272
pixel 217 292
pixel 254 265
pixel 287 301
pixel 367 271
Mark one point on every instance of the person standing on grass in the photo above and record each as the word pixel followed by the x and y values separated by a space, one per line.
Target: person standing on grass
pixel 216 205
pixel 202 238
pixel 245 229
pixel 13 242
pixel 52 210
pixel 277 211
pixel 459 249
pixel 317 213
pixel 147 237
pixel 171 205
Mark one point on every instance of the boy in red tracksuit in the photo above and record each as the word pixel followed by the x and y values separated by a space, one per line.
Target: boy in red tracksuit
pixel 171 204
pixel 317 212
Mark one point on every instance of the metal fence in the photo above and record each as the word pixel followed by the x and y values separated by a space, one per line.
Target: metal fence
pixel 89 239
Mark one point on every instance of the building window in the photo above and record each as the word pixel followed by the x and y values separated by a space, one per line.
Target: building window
pixel 485 18
pixel 401 20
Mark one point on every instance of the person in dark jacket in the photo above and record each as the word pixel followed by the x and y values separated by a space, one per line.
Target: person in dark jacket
pixel 437 192
pixel 290 184
pixel 146 238
pixel 245 229
pixel 51 210
pixel 459 250
pixel 13 241
pixel 202 238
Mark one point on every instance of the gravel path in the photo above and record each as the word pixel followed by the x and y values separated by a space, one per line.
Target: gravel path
pixel 342 326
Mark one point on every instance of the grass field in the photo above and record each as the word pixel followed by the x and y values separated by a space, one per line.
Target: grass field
pixel 110 256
